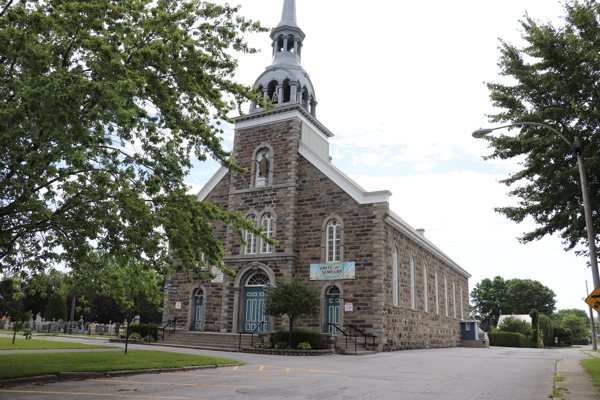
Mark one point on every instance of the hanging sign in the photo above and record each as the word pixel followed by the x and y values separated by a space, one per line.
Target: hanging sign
pixel 322 272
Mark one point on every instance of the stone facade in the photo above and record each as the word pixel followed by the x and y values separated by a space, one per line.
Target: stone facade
pixel 290 180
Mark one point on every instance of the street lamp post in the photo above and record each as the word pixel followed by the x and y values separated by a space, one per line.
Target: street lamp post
pixel 576 145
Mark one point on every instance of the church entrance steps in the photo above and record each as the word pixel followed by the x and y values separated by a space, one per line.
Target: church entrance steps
pixel 354 347
pixel 206 340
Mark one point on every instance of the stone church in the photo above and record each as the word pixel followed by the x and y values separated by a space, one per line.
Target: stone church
pixel 375 273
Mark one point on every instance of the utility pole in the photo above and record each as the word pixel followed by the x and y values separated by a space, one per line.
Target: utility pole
pixel 592 320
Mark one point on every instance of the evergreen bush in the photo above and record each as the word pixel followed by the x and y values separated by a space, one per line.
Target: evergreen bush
pixel 57 308
pixel 546 329
pixel 535 331
pixel 315 339
pixel 146 329
pixel 508 339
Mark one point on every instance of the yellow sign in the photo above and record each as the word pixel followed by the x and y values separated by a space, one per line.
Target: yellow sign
pixel 594 299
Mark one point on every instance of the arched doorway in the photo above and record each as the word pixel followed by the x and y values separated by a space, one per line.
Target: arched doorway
pixel 198 311
pixel 333 309
pixel 254 302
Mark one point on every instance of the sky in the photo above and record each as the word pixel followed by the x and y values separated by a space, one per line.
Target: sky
pixel 401 84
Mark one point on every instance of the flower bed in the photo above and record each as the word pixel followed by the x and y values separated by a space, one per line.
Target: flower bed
pixel 288 352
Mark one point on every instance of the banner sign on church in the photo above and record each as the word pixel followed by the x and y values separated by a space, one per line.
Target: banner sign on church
pixel 323 272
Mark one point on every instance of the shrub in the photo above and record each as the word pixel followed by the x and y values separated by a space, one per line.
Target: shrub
pixel 304 346
pixel 515 324
pixel 266 345
pixel 546 329
pixel 57 308
pixel 315 339
pixel 135 336
pixel 508 339
pixel 146 329
pixel 535 333
pixel 281 345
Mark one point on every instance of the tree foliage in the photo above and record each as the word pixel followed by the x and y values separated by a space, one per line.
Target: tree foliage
pixel 512 296
pixel 292 298
pixel 103 104
pixel 57 308
pixel 555 82
pixel 514 324
pixel 576 325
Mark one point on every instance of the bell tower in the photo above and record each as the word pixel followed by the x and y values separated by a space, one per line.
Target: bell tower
pixel 284 81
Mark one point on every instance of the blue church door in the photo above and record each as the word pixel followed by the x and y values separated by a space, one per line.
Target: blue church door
pixel 254 303
pixel 333 309
pixel 199 311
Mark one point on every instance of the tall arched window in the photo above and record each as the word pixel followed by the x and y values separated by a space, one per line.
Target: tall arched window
pixel 334 240
pixel 462 313
pixel 454 297
pixel 395 275
pixel 413 303
pixel 446 293
pixel 425 290
pixel 437 295
pixel 267 224
pixel 251 238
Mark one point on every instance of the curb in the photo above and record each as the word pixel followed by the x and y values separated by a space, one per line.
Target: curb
pixel 61 376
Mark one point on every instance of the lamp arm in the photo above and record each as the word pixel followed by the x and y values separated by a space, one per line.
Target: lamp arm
pixel 538 124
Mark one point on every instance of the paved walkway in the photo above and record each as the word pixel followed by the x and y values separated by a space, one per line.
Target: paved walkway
pixel 577 385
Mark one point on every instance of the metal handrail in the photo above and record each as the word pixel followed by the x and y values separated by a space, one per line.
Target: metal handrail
pixel 167 323
pixel 366 335
pixel 345 334
pixel 260 324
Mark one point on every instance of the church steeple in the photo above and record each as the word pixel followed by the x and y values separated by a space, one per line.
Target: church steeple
pixel 285 81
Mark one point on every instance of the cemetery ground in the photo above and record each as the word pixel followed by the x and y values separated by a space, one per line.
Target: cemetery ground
pixel 449 374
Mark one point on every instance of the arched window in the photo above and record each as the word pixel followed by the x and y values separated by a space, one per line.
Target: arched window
pixel 446 293
pixel 413 303
pixel 425 290
pixel 462 313
pixel 251 238
pixel 395 275
pixel 286 91
pixel 437 295
pixel 258 279
pixel 334 239
pixel 454 297
pixel 267 224
pixel 290 43
pixel 272 89
pixel 199 293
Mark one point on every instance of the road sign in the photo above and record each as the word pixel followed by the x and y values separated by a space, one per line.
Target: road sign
pixel 594 299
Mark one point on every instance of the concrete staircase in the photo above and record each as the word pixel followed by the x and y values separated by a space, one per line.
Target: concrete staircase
pixel 205 340
pixel 361 349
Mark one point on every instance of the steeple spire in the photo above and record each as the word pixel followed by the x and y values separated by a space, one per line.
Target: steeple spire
pixel 288 15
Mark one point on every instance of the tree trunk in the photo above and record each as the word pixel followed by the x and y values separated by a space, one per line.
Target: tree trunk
pixel 290 337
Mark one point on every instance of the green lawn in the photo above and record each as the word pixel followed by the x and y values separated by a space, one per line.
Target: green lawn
pixel 22 344
pixel 19 365
pixel 592 367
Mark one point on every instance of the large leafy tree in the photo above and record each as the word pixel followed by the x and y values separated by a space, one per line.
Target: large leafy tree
pixel 554 81
pixel 513 296
pixel 103 104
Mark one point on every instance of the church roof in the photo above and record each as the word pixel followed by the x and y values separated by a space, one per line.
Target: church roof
pixel 288 15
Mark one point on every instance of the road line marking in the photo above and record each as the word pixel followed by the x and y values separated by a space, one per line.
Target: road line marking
pixel 94 394
pixel 167 383
pixel 283 369
pixel 262 368
pixel 232 376
pixel 235 368
pixel 287 370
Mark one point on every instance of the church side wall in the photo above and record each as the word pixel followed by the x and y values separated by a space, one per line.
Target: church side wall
pixel 416 329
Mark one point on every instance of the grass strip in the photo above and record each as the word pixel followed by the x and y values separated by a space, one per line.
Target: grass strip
pixel 592 367
pixel 21 365
pixel 32 344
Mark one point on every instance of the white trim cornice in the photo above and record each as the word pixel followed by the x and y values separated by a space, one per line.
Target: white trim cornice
pixel 343 181
pixel 398 223
pixel 212 183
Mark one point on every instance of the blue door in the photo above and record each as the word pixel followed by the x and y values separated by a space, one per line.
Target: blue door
pixel 333 309
pixel 254 306
pixel 199 311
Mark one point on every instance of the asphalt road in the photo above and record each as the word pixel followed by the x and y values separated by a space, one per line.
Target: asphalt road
pixel 454 374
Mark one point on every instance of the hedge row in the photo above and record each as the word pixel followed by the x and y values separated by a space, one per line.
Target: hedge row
pixel 508 339
pixel 299 336
pixel 145 330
